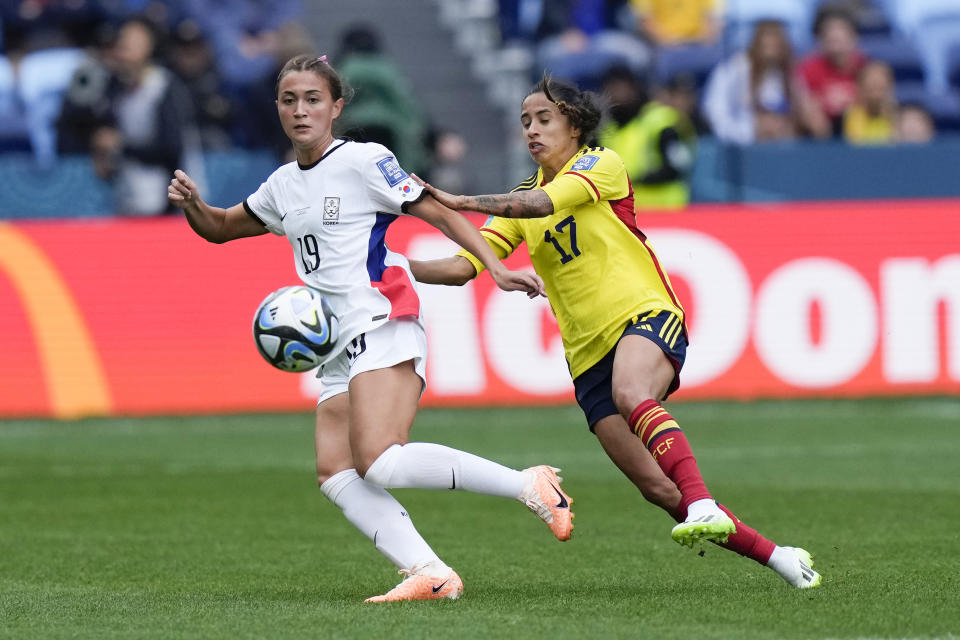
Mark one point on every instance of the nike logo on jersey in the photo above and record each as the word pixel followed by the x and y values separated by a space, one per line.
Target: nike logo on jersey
pixel 299 212
pixel 563 501
pixel 437 588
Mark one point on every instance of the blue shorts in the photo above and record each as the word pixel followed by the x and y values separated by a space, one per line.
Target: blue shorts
pixel 594 387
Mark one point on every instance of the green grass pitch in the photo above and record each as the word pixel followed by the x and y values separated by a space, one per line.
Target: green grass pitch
pixel 212 527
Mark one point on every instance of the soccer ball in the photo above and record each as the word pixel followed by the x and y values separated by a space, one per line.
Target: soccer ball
pixel 294 328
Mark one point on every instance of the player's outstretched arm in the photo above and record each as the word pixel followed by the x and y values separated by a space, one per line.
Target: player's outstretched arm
pixel 460 230
pixel 518 204
pixel 454 271
pixel 211 223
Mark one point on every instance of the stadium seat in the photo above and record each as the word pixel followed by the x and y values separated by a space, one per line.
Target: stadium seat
pixel 934 26
pixel 945 109
pixel 898 52
pixel 953 65
pixel 694 59
pixel 911 92
pixel 908 16
pixel 44 77
pixel 13 124
pixel 936 37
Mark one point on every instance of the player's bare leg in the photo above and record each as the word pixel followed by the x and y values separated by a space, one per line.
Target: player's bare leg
pixel 633 459
pixel 792 564
pixel 332 437
pixel 382 408
pixel 642 374
pixel 369 508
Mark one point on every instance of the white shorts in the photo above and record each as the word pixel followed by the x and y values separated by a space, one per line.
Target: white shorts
pixel 391 343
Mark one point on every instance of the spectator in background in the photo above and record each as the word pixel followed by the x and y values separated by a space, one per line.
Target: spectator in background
pixel 673 22
pixel 382 109
pixel 656 142
pixel 752 97
pixel 829 75
pixel 914 125
pixel 191 59
pixel 134 117
pixel 88 101
pixel 249 37
pixel 580 39
pixel 680 92
pixel 872 118
pixel 42 47
pixel 448 150
pixel 255 126
pixel 32 25
pixel 867 15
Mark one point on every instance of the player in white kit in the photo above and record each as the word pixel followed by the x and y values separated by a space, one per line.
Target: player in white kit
pixel 334 204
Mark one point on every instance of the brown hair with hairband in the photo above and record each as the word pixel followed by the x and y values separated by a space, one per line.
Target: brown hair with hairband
pixel 581 108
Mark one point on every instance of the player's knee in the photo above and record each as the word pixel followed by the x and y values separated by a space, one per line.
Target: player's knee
pixel 362 462
pixel 627 397
pixel 375 462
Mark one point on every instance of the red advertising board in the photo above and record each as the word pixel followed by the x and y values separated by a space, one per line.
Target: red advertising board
pixel 141 316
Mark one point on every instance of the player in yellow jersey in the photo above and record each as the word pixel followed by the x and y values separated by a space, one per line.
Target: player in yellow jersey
pixel 622 325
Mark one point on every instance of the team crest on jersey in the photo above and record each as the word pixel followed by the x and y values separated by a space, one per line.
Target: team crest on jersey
pixel 331 210
pixel 585 163
pixel 391 171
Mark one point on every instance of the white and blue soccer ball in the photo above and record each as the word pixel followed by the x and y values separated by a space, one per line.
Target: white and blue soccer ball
pixel 294 328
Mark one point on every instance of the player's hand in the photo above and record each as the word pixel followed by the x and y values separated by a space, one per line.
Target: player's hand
pixel 446 199
pixel 182 191
pixel 526 281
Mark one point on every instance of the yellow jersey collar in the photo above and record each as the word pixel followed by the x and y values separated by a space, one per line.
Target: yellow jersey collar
pixel 582 150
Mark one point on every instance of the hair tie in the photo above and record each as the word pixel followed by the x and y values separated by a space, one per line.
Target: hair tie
pixel 323 58
pixel 562 106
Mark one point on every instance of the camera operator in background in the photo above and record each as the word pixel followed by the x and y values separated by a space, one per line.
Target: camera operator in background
pixel 133 116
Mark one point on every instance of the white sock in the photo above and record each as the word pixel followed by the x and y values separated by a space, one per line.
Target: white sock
pixel 424 465
pixel 702 507
pixel 379 516
pixel 785 562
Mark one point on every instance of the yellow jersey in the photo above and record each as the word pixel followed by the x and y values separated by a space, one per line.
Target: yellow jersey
pixel 859 127
pixel 679 20
pixel 597 267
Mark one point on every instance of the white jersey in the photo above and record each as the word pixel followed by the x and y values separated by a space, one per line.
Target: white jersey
pixel 335 214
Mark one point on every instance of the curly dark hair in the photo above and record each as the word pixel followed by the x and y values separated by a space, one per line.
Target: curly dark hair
pixel 582 108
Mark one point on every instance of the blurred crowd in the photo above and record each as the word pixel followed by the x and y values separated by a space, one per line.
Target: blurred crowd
pixel 760 70
pixel 868 72
pixel 144 86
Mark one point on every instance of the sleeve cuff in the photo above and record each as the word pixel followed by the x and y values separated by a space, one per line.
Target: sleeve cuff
pixel 472 259
pixel 421 196
pixel 246 207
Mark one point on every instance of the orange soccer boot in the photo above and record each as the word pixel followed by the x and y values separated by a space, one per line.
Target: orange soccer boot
pixel 422 584
pixel 544 497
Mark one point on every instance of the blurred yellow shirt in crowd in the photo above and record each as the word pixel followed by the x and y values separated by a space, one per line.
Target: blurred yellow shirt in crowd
pixel 678 20
pixel 859 127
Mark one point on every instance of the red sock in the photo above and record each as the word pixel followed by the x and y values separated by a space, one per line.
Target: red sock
pixel 746 541
pixel 659 433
